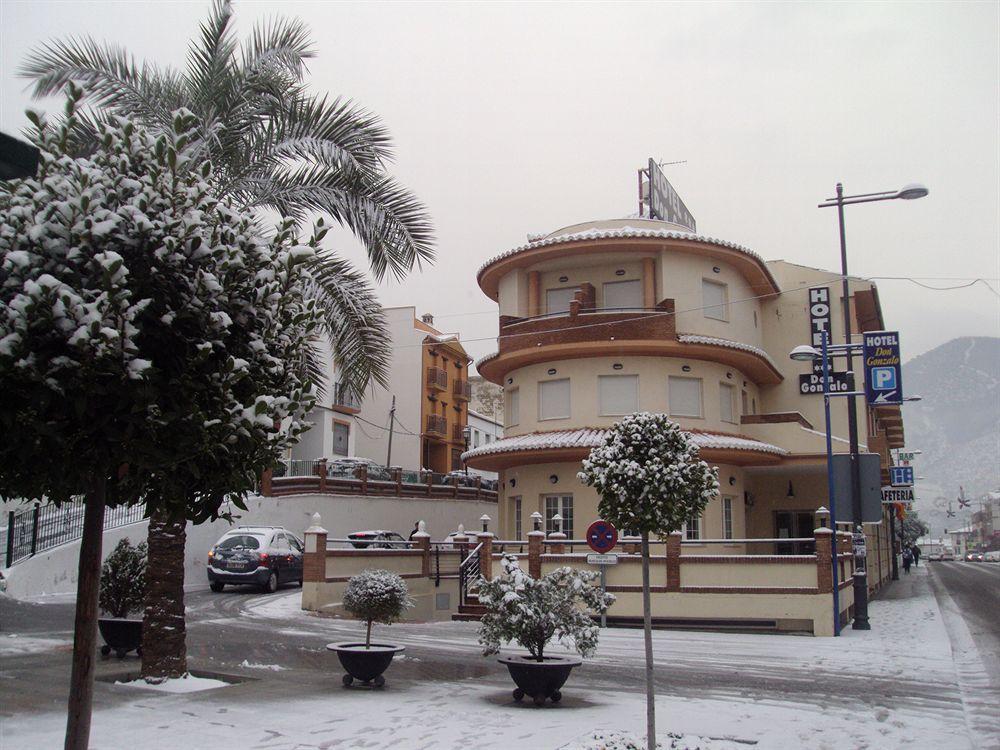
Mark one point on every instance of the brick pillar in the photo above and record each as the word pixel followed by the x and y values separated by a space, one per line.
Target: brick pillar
pixel 362 474
pixel 322 471
pixel 556 546
pixel 314 558
pixel 534 294
pixel 422 541
pixel 674 561
pixel 265 483
pixel 535 539
pixel 486 555
pixel 397 476
pixel 824 560
pixel 648 283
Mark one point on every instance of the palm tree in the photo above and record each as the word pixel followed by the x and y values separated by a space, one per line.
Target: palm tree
pixel 273 145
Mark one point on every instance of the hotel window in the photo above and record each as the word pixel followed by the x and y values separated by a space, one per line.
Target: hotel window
pixel 727 518
pixel 745 403
pixel 692 529
pixel 563 505
pixel 685 397
pixel 622 295
pixel 517 516
pixel 727 403
pixel 341 438
pixel 475 438
pixel 513 405
pixel 618 395
pixel 553 399
pixel 557 300
pixel 714 299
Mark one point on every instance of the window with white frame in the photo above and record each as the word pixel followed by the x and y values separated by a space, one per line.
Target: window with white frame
pixel 557 300
pixel 475 438
pixel 685 397
pixel 727 518
pixel 714 299
pixel 563 505
pixel 622 294
pixel 513 406
pixel 553 399
pixel 618 395
pixel 341 438
pixel 517 516
pixel 727 403
pixel 692 528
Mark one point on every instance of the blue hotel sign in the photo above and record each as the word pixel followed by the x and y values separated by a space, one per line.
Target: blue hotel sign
pixel 883 368
pixel 901 476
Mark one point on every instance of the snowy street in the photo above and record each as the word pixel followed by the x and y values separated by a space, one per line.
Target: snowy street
pixel 896 686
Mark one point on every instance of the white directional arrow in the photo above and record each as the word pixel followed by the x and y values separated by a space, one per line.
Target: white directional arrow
pixel 883 397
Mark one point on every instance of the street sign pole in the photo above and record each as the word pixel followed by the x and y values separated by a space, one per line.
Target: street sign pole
pixel 604 590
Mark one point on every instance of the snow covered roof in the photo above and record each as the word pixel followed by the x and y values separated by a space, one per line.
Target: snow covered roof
pixel 688 338
pixel 623 232
pixel 590 437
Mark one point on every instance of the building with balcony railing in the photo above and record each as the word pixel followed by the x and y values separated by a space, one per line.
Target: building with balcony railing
pixel 602 319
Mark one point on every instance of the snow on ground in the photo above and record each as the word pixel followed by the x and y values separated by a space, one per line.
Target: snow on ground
pixel 13 644
pixel 666 741
pixel 272 667
pixel 186 684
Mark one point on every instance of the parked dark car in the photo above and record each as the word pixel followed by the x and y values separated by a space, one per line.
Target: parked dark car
pixel 265 556
pixel 379 539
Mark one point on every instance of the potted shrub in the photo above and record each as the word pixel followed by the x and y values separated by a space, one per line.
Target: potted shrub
pixel 532 612
pixel 372 596
pixel 123 591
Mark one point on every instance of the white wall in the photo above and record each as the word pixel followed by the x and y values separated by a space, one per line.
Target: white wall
pixel 55 571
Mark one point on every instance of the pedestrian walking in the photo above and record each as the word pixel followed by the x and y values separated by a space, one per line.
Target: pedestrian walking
pixel 916 555
pixel 416 528
pixel 907 560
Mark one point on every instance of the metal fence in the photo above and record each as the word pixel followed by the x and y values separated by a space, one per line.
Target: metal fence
pixel 40 527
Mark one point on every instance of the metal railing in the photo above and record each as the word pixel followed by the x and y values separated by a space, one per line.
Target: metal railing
pixel 41 527
pixel 343 397
pixel 462 389
pixel 437 378
pixel 468 574
pixel 436 424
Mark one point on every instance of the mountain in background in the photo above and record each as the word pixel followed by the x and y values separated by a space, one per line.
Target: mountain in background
pixel 956 426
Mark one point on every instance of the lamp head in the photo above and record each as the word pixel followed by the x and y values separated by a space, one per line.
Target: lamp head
pixel 804 353
pixel 912 191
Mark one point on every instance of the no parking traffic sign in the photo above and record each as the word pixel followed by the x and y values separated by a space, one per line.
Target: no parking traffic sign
pixel 602 536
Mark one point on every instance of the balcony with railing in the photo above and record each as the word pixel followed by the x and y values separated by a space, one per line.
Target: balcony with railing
pixel 461 390
pixel 437 379
pixel 344 401
pixel 437 426
pixel 458 432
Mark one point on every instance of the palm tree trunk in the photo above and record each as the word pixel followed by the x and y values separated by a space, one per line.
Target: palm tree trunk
pixel 164 650
pixel 647 627
pixel 81 681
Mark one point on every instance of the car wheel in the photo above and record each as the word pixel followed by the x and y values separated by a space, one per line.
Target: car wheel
pixel 272 583
pixel 217 586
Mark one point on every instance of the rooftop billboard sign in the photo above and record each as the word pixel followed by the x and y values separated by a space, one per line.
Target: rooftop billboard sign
pixel 664 202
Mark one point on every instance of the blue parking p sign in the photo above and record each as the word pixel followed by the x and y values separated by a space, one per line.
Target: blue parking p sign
pixel 901 476
pixel 883 368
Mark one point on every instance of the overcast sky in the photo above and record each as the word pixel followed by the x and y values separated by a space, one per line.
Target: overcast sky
pixel 516 118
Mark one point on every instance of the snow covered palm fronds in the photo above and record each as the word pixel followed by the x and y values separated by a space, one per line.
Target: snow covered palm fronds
pixel 533 611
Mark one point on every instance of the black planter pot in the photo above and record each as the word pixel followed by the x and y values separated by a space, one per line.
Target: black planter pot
pixel 539 679
pixel 365 664
pixel 120 636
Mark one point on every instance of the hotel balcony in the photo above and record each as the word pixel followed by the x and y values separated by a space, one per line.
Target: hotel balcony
pixel 436 426
pixel 462 390
pixel 344 401
pixel 437 379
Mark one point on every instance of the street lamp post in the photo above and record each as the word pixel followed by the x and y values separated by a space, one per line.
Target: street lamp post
pixel 908 192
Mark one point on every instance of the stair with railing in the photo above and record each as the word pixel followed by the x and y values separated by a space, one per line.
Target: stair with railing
pixel 469 574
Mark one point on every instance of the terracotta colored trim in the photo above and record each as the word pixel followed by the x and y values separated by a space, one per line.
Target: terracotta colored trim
pixel 749 590
pixel 777 418
pixel 747 560
pixel 345 579
pixel 630 589
pixel 509 459
pixel 374 552
pixel 622 559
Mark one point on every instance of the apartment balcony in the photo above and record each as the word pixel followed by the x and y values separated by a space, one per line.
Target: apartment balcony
pixel 344 401
pixel 436 426
pixel 437 379
pixel 462 390
pixel 458 433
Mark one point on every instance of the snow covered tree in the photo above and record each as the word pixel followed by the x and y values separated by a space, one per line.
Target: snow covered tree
pixel 650 480
pixel 147 331
pixel 123 579
pixel 376 596
pixel 912 528
pixel 533 611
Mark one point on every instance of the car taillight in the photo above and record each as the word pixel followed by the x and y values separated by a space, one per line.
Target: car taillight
pixel 263 558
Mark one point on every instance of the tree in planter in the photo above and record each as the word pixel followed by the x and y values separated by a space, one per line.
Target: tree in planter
pixel 123 580
pixel 376 596
pixel 119 269
pixel 533 611
pixel 650 479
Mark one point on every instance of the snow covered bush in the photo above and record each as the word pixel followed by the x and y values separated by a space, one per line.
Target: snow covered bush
pixel 376 596
pixel 648 475
pixel 533 611
pixel 123 579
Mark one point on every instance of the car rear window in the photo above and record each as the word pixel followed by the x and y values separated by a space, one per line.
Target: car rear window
pixel 245 541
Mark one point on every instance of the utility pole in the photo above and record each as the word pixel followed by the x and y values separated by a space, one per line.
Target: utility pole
pixel 392 423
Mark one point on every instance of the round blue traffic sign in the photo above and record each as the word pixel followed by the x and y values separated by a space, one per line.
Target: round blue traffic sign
pixel 602 536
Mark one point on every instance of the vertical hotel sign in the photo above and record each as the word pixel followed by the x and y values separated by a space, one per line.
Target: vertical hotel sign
pixel 664 203
pixel 819 323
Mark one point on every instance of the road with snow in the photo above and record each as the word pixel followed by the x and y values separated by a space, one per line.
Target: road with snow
pixel 904 684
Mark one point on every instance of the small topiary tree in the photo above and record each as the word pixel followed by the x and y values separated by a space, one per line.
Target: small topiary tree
pixel 650 479
pixel 123 580
pixel 533 611
pixel 376 596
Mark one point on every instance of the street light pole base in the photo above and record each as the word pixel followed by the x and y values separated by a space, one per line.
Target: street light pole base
pixel 861 601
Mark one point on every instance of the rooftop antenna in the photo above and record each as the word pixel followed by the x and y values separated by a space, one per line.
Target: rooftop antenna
pixel 644 172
